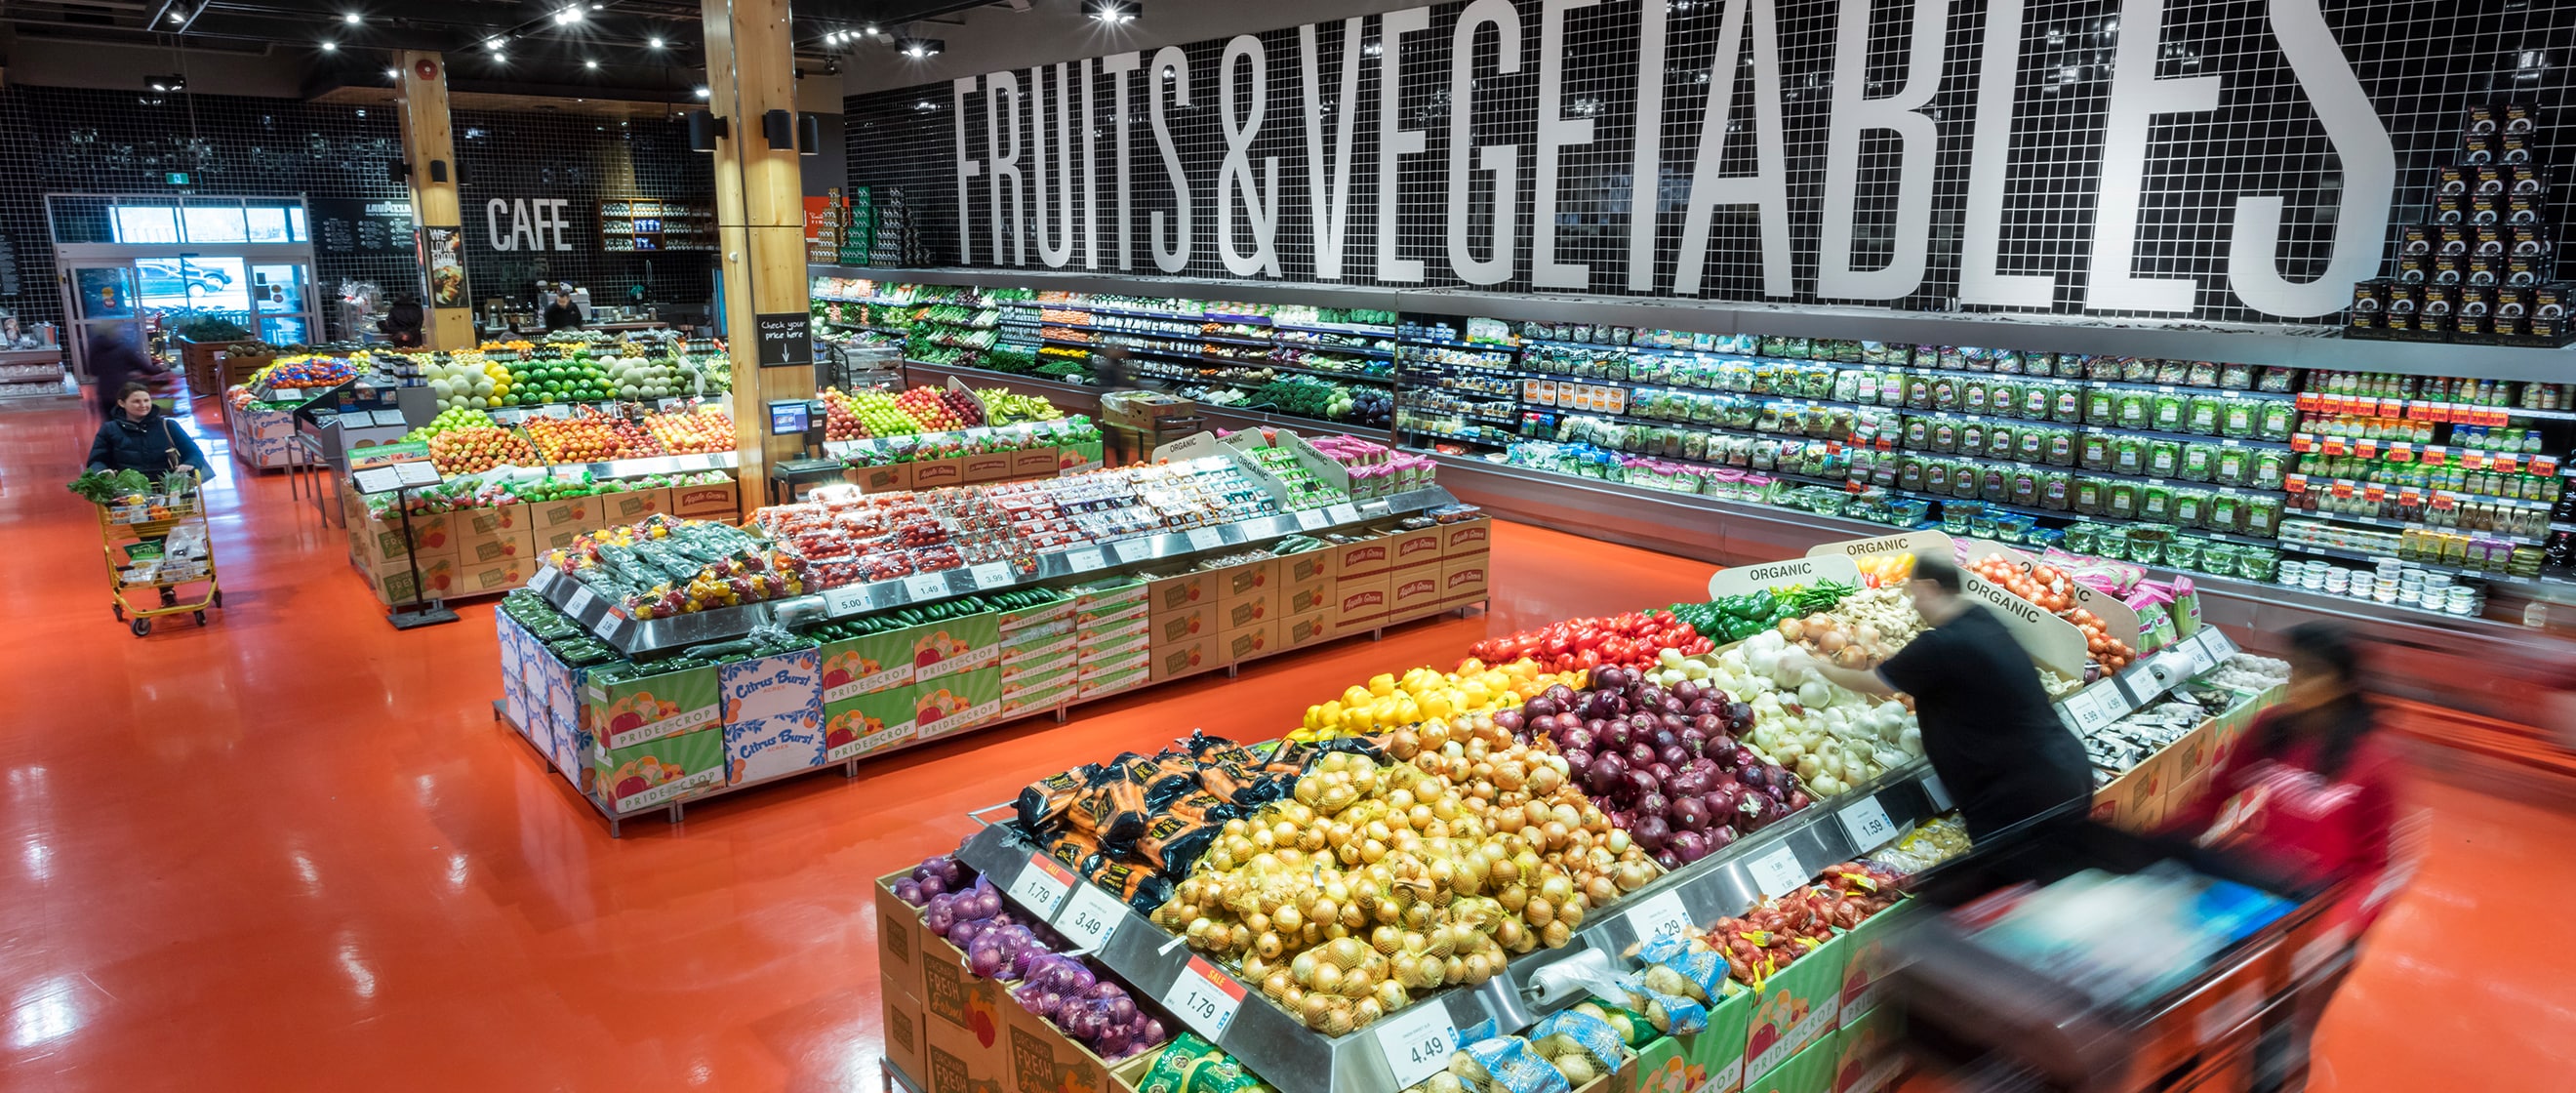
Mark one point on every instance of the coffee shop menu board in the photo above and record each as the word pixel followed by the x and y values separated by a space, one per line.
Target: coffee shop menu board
pixel 359 226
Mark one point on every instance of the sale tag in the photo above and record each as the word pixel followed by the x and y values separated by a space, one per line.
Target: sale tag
pixel 1866 821
pixel 1206 538
pixel 1662 916
pixel 2544 465
pixel 1206 998
pixel 1041 885
pixel 2367 449
pixel 2474 460
pixel 2297 483
pixel 2507 464
pixel 1417 1042
pixel 2303 442
pixel 1344 513
pixel 1778 873
pixel 2401 452
pixel 1090 916
pixel 579 601
pixel 991 575
pixel 921 587
pixel 849 599
pixel 2342 488
pixel 2309 401
pixel 1310 519
pixel 2435 453
pixel 1940 794
pixel 2336 446
pixel 2409 495
pixel 1085 560
pixel 2374 493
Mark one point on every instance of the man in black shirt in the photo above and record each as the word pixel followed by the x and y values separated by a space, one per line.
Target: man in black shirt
pixel 563 314
pixel 1987 725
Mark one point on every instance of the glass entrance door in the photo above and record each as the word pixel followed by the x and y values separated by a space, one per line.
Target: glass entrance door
pixel 281 297
pixel 103 306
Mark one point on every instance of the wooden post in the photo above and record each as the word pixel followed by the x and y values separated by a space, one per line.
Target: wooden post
pixel 427 139
pixel 760 218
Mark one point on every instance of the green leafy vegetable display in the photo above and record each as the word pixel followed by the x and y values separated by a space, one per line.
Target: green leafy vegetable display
pixel 104 487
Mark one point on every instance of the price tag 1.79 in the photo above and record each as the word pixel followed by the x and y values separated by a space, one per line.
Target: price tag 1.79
pixel 1089 917
pixel 1206 538
pixel 1662 916
pixel 1417 1043
pixel 1205 998
pixel 991 575
pixel 1041 885
pixel 924 587
pixel 1777 873
pixel 1867 823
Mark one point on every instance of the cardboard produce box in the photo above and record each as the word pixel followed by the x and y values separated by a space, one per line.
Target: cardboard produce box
pixel 955 703
pixel 1189 657
pixel 1182 591
pixel 1473 536
pixel 656 772
pixel 513 548
pixel 1128 638
pixel 1249 609
pixel 385 539
pixel 629 506
pixel 1299 599
pixel 1794 1009
pixel 1868 959
pixel 393 587
pixel 1811 1070
pixel 1249 579
pixel 1184 625
pixel 882 478
pixel 1868 1052
pixel 1036 462
pixel 1306 629
pixel 578 514
pixel 1711 1061
pixel 951 646
pixel 493 522
pixel 1465 579
pixel 628 712
pixel 1414 591
pixel 906 1038
pixel 930 474
pixel 1305 567
pixel 1045 1060
pixel 713 501
pixel 859 724
pixel 773 714
pixel 1375 554
pixel 984 467
pixel 867 664
pixel 899 936
pixel 1358 600
pixel 1414 548
pixel 1248 643
pixel 963 1052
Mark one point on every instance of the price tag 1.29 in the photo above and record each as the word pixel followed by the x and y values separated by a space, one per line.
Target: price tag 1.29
pixel 924 587
pixel 991 574
pixel 1041 885
pixel 1205 998
pixel 1206 538
pixel 1777 873
pixel 1867 823
pixel 1662 916
pixel 1090 916
pixel 1417 1043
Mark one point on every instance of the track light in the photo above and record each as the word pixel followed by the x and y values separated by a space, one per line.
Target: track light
pixel 178 16
pixel 352 18
pixel 809 134
pixel 594 65
pixel 870 30
pixel 704 93
pixel 327 47
pixel 569 16
pixel 495 44
pixel 393 73
pixel 652 43
pixel 918 48
pixel 704 129
pixel 1114 12
pixel 166 83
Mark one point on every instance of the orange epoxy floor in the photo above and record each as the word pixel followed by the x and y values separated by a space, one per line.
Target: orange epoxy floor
pixel 293 850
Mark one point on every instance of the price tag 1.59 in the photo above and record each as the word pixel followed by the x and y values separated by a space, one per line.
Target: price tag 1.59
pixel 991 575
pixel 1417 1043
pixel 1206 538
pixel 924 587
pixel 1777 873
pixel 1662 916
pixel 1205 998
pixel 1866 821
pixel 1041 885
pixel 1090 916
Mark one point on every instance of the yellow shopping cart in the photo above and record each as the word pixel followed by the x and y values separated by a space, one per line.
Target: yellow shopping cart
pixel 160 541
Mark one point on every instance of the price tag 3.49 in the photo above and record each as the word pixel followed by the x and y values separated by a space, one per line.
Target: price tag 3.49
pixel 1417 1042
pixel 1090 916
pixel 1662 916
pixel 1205 998
pixel 1041 886
pixel 1866 821
pixel 1777 873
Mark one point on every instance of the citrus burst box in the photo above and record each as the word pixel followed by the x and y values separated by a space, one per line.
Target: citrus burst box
pixel 632 711
pixel 773 714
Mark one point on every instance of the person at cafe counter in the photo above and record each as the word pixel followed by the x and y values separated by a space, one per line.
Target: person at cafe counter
pixel 563 314
pixel 1987 725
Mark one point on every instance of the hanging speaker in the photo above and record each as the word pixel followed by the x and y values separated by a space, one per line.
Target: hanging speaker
pixel 809 134
pixel 704 129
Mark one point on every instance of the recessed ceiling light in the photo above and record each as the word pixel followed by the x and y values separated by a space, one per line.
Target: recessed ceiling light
pixel 568 16
pixel 495 44
pixel 352 18
pixel 178 16
pixel 393 74
pixel 704 93
pixel 654 43
pixel 329 46
pixel 590 64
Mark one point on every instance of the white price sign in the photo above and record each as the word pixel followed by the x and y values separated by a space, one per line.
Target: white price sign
pixel 1662 916
pixel 2196 657
pixel 2141 683
pixel 991 574
pixel 1089 917
pixel 922 587
pixel 2220 646
pixel 1311 519
pixel 2094 707
pixel 558 411
pixel 1940 794
pixel 1345 513
pixel 1206 538
pixel 606 625
pixel 579 601
pixel 377 479
pixel 1205 998
pixel 417 473
pixel 1866 821
pixel 849 599
pixel 1417 1042
pixel 1085 560
pixel 1041 885
pixel 1777 873
pixel 1132 550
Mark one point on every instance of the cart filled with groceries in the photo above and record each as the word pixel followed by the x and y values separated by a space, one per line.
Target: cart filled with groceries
pixel 160 559
pixel 2082 959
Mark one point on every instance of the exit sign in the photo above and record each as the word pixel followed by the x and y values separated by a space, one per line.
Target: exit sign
pixel 176 178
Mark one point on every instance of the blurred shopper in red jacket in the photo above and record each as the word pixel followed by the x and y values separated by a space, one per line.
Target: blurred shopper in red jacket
pixel 2310 793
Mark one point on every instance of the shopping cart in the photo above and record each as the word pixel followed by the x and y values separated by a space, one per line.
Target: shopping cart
pixel 1979 1021
pixel 159 541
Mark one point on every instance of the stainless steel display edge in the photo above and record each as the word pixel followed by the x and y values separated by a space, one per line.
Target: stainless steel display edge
pixel 1295 1059
pixel 1040 386
pixel 2477 664
pixel 2260 344
pixel 630 636
pixel 1022 430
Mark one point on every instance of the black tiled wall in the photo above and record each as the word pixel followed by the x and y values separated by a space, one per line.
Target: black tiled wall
pixel 64 140
pixel 2419 63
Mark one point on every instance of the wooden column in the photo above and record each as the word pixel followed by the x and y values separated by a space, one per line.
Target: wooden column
pixel 427 138
pixel 760 218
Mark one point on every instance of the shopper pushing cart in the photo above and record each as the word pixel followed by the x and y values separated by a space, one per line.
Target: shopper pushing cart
pixel 148 480
pixel 137 436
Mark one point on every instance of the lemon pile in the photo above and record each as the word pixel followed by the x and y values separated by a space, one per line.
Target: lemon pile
pixel 1388 702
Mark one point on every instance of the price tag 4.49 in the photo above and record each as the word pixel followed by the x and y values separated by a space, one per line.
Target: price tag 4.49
pixel 1041 886
pixel 1866 821
pixel 1089 917
pixel 1205 998
pixel 1417 1043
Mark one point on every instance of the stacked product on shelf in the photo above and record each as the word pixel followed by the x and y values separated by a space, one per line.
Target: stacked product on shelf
pixel 932 612
pixel 2482 267
pixel 1312 916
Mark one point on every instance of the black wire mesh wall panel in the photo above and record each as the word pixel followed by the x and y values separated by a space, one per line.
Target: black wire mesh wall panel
pixel 2221 110
pixel 65 140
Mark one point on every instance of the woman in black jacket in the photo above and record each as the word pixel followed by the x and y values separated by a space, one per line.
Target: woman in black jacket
pixel 137 436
